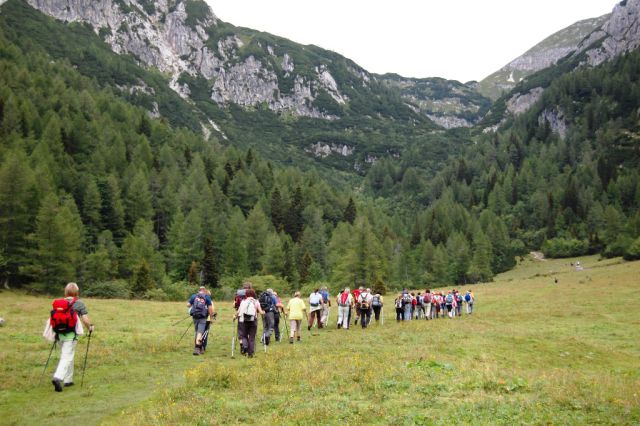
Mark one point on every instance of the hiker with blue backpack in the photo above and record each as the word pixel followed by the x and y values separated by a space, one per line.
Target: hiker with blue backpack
pixel 377 302
pixel 326 306
pixel 468 298
pixel 316 304
pixel 450 301
pixel 64 327
pixel 268 305
pixel 200 307
pixel 407 305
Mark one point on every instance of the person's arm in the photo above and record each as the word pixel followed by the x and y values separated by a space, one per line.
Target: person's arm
pixel 259 308
pixel 87 322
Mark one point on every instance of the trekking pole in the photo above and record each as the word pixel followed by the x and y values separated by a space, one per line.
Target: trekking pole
pixel 233 339
pixel 47 363
pixel 86 354
pixel 264 341
pixel 178 322
pixel 382 314
pixel 183 334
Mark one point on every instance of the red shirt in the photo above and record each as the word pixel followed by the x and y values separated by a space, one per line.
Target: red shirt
pixel 356 294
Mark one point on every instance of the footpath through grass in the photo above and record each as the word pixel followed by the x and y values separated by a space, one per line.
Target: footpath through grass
pixel 533 352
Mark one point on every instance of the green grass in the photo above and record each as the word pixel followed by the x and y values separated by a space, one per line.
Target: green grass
pixel 534 352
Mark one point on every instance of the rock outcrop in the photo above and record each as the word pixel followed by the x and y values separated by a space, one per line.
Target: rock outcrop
pixel 166 35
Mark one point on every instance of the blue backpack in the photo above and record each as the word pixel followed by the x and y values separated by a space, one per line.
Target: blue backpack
pixel 467 297
pixel 199 307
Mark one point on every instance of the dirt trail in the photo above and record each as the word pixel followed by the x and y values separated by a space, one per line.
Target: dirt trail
pixel 538 255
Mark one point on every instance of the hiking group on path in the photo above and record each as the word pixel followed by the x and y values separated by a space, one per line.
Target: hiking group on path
pixel 65 324
pixel 361 305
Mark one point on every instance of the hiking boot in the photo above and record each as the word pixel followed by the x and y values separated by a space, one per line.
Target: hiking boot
pixel 309 328
pixel 266 340
pixel 291 340
pixel 196 350
pixel 57 384
pixel 299 338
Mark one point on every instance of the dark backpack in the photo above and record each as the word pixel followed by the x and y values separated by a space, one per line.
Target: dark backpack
pixel 406 299
pixel 449 299
pixel 240 296
pixel 63 317
pixel 199 307
pixel 266 302
pixel 376 301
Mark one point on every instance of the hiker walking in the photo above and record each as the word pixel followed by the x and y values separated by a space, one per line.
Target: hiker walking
pixel 419 306
pixel 240 296
pixel 326 305
pixel 398 305
pixel 65 328
pixel 459 300
pixel 468 298
pixel 426 300
pixel 247 316
pixel 376 303
pixel 200 307
pixel 296 310
pixel 345 302
pixel 276 316
pixel 407 305
pixel 364 305
pixel 268 305
pixel 315 310
pixel 449 301
pixel 356 296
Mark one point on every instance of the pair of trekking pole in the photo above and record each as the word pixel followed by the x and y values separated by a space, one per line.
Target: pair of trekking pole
pixel 84 365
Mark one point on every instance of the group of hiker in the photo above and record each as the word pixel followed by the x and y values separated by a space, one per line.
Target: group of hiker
pixel 361 304
pixel 69 314
pixel 434 305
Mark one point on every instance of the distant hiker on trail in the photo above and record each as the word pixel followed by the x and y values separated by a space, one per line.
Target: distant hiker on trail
pixel 399 309
pixel 276 316
pixel 426 300
pixel 65 328
pixel 240 296
pixel 459 300
pixel 201 307
pixel 364 305
pixel 268 305
pixel 315 310
pixel 419 306
pixel 468 298
pixel 450 301
pixel 345 303
pixel 407 305
pixel 247 315
pixel 356 294
pixel 296 310
pixel 377 302
pixel 326 305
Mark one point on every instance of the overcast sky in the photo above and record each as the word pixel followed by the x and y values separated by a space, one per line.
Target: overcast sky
pixel 456 39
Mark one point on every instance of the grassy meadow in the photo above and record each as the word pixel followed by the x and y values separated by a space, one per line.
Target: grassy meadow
pixel 534 352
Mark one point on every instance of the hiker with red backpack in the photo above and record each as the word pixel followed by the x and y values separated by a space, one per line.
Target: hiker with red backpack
pixel 66 321
pixel 345 303
pixel 356 294
pixel 200 308
pixel 364 306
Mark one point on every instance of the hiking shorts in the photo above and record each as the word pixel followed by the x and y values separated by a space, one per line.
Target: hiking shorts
pixel 200 325
pixel 449 308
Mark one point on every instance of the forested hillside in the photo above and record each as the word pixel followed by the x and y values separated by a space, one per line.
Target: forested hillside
pixel 563 176
pixel 93 190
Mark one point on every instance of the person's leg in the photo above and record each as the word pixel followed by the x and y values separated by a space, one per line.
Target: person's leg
pixel 348 318
pixel 299 329
pixel 65 365
pixel 268 326
pixel 205 339
pixel 341 315
pixel 251 337
pixel 376 313
pixel 276 325
pixel 292 329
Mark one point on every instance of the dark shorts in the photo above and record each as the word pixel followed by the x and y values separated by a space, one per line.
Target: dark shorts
pixel 449 308
pixel 200 325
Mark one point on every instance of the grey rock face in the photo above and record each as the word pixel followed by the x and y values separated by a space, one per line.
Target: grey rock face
pixel 620 34
pixel 164 40
pixel 520 103
pixel 555 120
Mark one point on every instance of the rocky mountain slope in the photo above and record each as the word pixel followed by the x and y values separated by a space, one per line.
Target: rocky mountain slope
pixel 448 103
pixel 543 55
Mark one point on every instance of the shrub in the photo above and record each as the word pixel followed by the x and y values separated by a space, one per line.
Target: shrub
pixel 633 252
pixel 116 289
pixel 156 294
pixel 176 291
pixel 618 247
pixel 564 247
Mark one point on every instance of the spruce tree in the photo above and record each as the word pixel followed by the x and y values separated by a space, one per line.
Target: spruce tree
pixel 350 212
pixel 210 275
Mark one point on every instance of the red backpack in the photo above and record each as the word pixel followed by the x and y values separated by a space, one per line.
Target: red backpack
pixel 63 317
